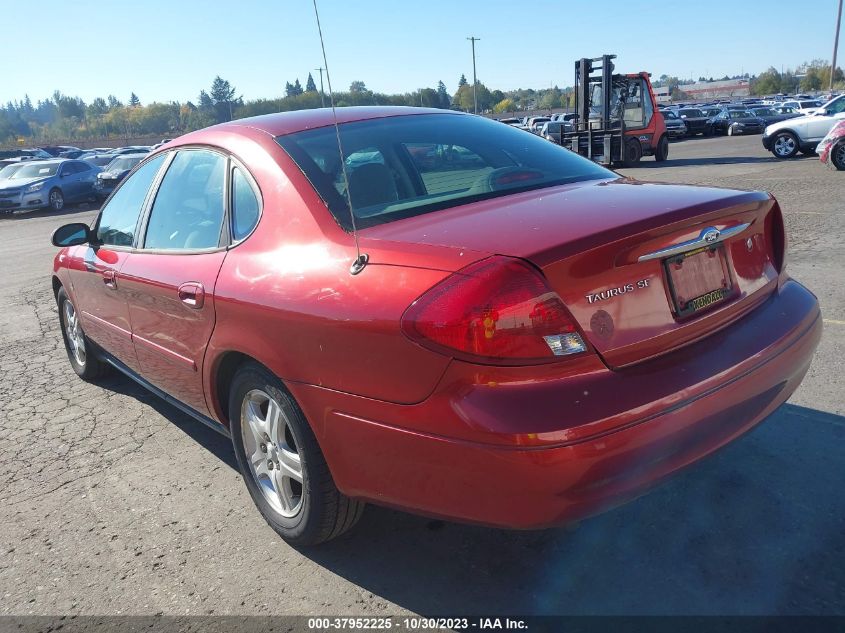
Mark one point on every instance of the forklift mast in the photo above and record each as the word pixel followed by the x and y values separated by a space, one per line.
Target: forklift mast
pixel 585 79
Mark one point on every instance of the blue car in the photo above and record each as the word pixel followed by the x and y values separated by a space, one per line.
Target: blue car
pixel 114 173
pixel 48 184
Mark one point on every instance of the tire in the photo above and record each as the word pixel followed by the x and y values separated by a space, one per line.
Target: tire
pixel 282 464
pixel 79 349
pixel 56 199
pixel 661 152
pixel 784 145
pixel 837 156
pixel 730 130
pixel 633 152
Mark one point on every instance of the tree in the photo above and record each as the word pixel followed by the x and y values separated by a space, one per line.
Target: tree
pixel 766 83
pixel 134 101
pixel 297 88
pixel 443 96
pixel 310 86
pixel 114 102
pixel 357 87
pixel 505 105
pixel 462 81
pixel 223 97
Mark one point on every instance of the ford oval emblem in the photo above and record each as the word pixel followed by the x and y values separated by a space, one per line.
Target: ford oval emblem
pixel 711 235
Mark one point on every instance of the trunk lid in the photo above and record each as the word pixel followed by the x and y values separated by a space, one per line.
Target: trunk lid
pixel 604 247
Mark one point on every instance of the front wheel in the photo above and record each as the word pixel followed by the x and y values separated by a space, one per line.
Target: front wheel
pixel 837 156
pixel 56 199
pixel 730 130
pixel 633 153
pixel 79 350
pixel 661 153
pixel 282 464
pixel 784 145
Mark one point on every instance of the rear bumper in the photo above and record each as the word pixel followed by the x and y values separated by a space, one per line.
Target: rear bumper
pixel 554 450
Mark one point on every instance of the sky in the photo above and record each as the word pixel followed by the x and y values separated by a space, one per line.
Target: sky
pixel 167 50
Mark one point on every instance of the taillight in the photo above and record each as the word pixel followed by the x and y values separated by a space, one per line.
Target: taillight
pixel 778 237
pixel 499 310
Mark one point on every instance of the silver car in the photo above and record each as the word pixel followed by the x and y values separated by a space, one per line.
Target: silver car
pixel 48 183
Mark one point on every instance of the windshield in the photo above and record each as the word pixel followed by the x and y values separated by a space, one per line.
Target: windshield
pixel 36 170
pixel 764 112
pixel 404 166
pixel 8 170
pixel 810 104
pixel 740 114
pixel 123 163
pixel 692 112
pixel 669 115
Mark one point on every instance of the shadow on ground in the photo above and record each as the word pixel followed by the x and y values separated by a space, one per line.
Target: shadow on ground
pixel 714 160
pixel 43 213
pixel 758 528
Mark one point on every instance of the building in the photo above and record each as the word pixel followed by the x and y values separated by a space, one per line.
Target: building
pixel 708 90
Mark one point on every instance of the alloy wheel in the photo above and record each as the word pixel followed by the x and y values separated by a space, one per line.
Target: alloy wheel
pixel 272 452
pixel 57 200
pixel 838 156
pixel 75 338
pixel 784 145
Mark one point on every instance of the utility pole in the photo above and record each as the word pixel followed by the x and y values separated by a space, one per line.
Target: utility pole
pixel 835 46
pixel 475 78
pixel 322 97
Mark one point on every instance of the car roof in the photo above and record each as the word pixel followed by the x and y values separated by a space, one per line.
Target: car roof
pixel 282 123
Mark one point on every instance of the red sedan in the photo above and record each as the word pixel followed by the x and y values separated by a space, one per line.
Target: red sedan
pixel 525 339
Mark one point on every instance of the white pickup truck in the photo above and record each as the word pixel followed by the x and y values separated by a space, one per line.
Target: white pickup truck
pixel 786 138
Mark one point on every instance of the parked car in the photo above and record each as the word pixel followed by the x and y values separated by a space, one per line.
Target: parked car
pixel 100 160
pixel 536 122
pixel 551 130
pixel 769 115
pixel 831 150
pixel 55 151
pixel 131 149
pixel 734 122
pixel 506 121
pixel 804 106
pixel 695 120
pixel 803 134
pixel 48 183
pixel 475 352
pixel 675 126
pixel 24 154
pixel 114 173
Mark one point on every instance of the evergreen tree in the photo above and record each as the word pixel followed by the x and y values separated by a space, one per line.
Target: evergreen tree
pixel 443 96
pixel 297 88
pixel 310 86
pixel 134 101
pixel 462 82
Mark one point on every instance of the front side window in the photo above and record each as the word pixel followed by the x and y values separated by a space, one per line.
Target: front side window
pixel 410 165
pixel 119 217
pixel 189 206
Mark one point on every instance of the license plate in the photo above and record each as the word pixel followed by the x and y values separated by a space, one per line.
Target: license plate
pixel 698 280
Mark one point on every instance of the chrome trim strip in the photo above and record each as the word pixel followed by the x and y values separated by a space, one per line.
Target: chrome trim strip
pixel 698 242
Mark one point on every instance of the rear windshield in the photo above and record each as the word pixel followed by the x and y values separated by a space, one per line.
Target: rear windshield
pixel 404 166
pixel 124 163
pixel 692 112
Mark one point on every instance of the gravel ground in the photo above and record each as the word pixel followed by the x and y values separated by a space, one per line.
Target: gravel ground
pixel 115 503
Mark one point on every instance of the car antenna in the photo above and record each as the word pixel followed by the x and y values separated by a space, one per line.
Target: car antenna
pixel 361 259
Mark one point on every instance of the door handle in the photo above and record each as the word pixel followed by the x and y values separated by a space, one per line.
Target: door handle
pixel 109 278
pixel 192 294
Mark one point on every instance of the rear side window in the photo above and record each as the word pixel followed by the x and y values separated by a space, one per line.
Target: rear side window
pixel 244 206
pixel 119 217
pixel 189 205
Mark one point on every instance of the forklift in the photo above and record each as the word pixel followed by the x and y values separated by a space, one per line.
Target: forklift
pixel 616 117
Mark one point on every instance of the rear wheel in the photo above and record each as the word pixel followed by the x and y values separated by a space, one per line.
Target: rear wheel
pixel 633 152
pixel 730 130
pixel 282 464
pixel 837 156
pixel 784 145
pixel 80 352
pixel 661 153
pixel 56 200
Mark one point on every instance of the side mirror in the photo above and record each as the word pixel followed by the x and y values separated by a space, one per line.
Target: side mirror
pixel 71 235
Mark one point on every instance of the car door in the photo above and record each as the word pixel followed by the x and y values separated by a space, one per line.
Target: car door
pixel 819 125
pixel 85 177
pixel 98 291
pixel 169 281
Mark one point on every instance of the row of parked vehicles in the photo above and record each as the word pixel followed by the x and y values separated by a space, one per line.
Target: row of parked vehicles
pixel 52 177
pixel 788 126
